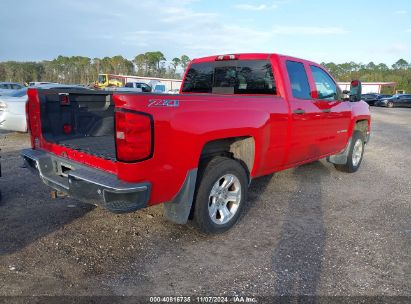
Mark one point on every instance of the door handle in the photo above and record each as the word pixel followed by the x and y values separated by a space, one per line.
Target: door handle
pixel 326 110
pixel 299 111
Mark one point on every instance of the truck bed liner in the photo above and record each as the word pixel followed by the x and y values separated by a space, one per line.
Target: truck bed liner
pixel 101 146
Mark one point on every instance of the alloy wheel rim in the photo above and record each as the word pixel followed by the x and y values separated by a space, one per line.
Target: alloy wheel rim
pixel 357 152
pixel 224 199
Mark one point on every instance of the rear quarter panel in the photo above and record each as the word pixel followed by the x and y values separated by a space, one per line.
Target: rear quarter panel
pixel 180 133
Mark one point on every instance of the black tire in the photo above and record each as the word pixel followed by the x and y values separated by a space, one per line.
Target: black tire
pixel 349 166
pixel 390 104
pixel 209 174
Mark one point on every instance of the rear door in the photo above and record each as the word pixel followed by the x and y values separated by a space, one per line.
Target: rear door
pixel 307 119
pixel 336 113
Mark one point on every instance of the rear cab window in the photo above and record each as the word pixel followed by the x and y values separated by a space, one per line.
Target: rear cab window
pixel 230 77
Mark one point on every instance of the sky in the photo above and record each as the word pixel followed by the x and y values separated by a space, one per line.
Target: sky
pixel 318 30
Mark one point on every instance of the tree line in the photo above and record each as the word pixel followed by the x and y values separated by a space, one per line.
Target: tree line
pixel 84 70
pixel 399 72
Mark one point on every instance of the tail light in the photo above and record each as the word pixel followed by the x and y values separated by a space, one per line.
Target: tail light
pixel 33 117
pixel 134 136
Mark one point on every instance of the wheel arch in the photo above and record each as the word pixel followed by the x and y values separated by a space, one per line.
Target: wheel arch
pixel 240 148
pixel 362 125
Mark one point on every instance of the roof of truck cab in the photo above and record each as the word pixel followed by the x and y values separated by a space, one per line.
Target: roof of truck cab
pixel 252 56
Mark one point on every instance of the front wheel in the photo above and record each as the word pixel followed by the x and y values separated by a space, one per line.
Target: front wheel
pixel 390 104
pixel 221 194
pixel 355 154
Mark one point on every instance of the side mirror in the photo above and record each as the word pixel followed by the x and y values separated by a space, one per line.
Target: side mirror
pixel 355 90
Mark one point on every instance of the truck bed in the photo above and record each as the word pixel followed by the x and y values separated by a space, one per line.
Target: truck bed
pixel 100 146
pixel 89 116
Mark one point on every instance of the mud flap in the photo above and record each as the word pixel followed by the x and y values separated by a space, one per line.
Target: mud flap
pixel 340 158
pixel 178 210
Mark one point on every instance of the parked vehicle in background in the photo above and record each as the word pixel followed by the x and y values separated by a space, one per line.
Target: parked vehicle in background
pixel 238 117
pixel 8 87
pixel 372 98
pixel 398 100
pixel 108 80
pixel 142 86
pixel 159 88
pixel 112 81
pixel 37 83
pixel 13 107
pixel 13 111
pixel 173 91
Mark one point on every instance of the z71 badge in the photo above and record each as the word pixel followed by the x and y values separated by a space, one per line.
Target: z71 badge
pixel 163 103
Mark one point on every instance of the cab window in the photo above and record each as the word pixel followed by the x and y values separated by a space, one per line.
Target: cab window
pixel 230 77
pixel 326 87
pixel 298 79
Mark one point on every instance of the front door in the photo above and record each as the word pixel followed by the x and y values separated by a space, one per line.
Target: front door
pixel 336 112
pixel 307 119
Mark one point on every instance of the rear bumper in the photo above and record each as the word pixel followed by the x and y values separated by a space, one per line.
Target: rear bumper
pixel 87 184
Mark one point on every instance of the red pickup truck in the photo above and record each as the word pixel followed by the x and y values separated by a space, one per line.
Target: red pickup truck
pixel 237 117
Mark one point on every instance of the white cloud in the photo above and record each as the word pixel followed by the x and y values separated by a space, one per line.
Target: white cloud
pixel 397 48
pixel 308 30
pixel 400 12
pixel 252 7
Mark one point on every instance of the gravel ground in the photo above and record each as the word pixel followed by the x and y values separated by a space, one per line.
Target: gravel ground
pixel 310 230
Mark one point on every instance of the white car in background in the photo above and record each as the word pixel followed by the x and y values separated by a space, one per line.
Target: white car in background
pixel 13 111
pixel 9 87
pixel 13 107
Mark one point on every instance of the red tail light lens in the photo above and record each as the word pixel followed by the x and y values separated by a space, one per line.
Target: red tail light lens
pixel 33 117
pixel 67 128
pixel 134 136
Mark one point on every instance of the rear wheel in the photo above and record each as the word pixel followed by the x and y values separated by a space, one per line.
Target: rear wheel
pixel 355 154
pixel 221 194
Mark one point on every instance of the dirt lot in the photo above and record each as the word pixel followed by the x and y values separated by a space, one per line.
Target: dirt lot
pixel 309 230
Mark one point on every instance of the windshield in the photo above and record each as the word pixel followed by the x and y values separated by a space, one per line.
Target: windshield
pixel 18 93
pixel 102 78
